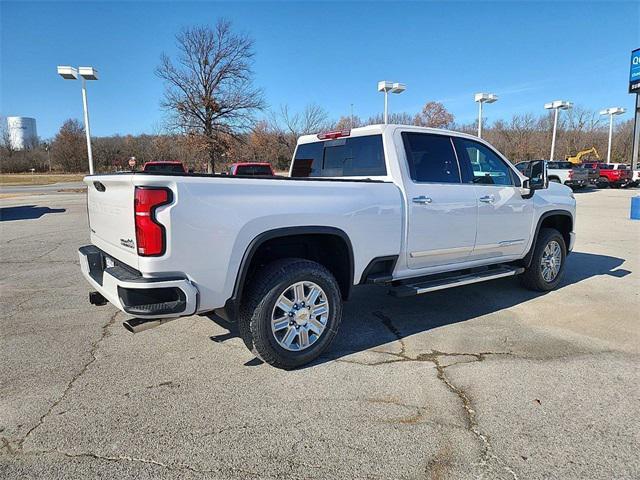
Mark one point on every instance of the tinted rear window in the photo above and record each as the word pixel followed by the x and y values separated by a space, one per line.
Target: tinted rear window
pixel 343 157
pixel 560 165
pixel 253 170
pixel 164 168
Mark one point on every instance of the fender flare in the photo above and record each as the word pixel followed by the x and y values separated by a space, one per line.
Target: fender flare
pixel 551 213
pixel 258 241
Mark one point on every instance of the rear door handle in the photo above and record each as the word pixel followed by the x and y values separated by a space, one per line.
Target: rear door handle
pixel 422 200
pixel 488 199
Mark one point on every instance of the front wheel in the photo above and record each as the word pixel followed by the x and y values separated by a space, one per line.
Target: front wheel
pixel 548 262
pixel 291 312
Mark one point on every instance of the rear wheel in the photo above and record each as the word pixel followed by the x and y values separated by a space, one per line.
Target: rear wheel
pixel 603 182
pixel 554 179
pixel 547 263
pixel 291 312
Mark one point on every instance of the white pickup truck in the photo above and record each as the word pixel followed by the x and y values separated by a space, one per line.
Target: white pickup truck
pixel 413 209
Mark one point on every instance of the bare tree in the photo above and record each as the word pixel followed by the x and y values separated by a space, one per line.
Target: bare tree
pixel 6 147
pixel 209 90
pixel 69 148
pixel 434 114
pixel 312 119
pixel 400 118
pixel 289 125
pixel 348 122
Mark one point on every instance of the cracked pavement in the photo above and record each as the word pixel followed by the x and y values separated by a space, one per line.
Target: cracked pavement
pixel 483 381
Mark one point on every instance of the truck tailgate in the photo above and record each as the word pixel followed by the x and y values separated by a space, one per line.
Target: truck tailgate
pixel 580 174
pixel 111 216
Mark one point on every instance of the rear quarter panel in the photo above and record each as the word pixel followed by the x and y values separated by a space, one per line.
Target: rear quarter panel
pixel 213 220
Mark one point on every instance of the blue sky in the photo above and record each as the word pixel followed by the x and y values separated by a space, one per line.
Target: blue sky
pixel 332 54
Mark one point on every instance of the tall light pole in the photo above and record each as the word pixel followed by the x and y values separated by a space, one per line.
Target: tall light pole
pixel 556 106
pixel 87 73
pixel 611 112
pixel 386 87
pixel 483 98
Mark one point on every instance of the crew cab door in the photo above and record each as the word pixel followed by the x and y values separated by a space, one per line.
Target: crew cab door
pixel 504 216
pixel 442 211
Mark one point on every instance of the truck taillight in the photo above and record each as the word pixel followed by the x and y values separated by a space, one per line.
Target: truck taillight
pixel 150 235
pixel 570 174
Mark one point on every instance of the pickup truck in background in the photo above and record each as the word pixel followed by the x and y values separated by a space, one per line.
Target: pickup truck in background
pixel 560 172
pixel 410 208
pixel 614 175
pixel 251 169
pixel 164 167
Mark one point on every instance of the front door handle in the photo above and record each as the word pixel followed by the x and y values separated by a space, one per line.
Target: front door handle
pixel 488 199
pixel 422 200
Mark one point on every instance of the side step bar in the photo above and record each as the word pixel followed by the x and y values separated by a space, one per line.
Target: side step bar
pixel 425 286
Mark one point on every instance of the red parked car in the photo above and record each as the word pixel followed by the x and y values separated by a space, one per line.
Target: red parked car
pixel 251 168
pixel 164 167
pixel 613 175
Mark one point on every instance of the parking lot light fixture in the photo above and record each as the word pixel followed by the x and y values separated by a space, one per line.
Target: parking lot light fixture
pixel 556 106
pixel 386 87
pixel 483 98
pixel 87 73
pixel 611 112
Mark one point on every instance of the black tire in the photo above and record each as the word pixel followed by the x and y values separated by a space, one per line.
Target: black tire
pixel 532 277
pixel 254 321
pixel 554 180
pixel 603 182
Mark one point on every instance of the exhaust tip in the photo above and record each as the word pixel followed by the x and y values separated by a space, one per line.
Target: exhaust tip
pixel 128 327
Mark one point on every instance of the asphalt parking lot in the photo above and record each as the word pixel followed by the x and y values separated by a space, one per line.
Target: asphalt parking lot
pixel 484 381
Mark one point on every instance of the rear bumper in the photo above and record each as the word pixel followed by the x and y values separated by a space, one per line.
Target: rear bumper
pixel 576 183
pixel 158 297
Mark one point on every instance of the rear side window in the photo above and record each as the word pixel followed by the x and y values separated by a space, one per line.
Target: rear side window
pixel 343 157
pixel 431 158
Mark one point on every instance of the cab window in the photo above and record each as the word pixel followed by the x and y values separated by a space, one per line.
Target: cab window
pixel 484 166
pixel 431 158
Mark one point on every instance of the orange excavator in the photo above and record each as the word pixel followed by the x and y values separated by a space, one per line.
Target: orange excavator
pixel 577 158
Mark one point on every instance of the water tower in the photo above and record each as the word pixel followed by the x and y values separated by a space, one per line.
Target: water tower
pixel 22 132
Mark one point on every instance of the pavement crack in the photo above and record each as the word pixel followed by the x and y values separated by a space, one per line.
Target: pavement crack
pixel 176 467
pixel 387 322
pixel 488 454
pixel 434 356
pixel 74 379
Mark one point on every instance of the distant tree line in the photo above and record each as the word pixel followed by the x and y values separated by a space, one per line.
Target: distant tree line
pixel 273 140
pixel 215 116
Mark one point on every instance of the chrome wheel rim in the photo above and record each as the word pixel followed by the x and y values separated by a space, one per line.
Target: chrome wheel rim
pixel 299 316
pixel 551 261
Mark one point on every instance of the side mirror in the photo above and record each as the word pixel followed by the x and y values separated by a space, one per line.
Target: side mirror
pixel 537 173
